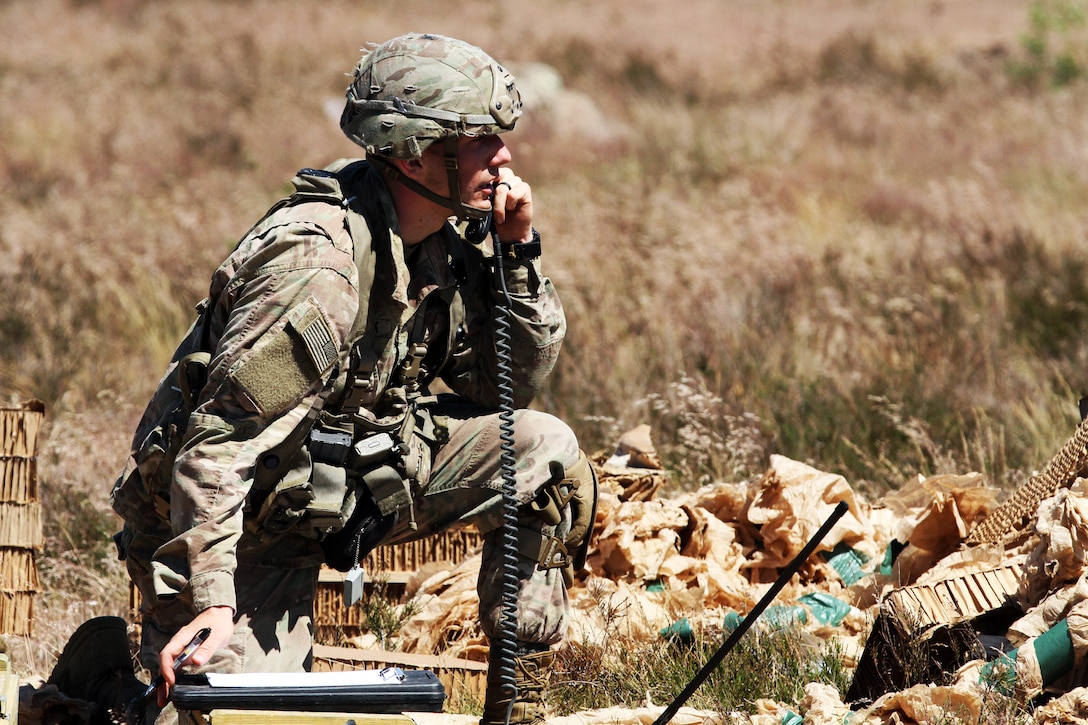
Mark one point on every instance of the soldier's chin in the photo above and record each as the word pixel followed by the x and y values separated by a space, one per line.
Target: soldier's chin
pixel 483 205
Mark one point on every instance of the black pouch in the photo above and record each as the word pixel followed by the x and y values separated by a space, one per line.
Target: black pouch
pixel 363 531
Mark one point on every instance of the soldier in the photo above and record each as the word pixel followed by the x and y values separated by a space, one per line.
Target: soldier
pixel 296 423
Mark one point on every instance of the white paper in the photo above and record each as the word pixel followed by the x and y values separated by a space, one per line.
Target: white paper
pixel 384 676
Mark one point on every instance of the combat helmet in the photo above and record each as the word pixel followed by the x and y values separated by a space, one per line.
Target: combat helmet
pixel 417 89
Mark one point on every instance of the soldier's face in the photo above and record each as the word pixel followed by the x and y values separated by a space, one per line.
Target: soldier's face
pixel 479 159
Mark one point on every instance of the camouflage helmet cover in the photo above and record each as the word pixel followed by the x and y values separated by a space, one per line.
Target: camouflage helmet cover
pixel 416 89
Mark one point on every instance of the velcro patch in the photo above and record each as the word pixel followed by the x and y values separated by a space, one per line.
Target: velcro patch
pixel 285 364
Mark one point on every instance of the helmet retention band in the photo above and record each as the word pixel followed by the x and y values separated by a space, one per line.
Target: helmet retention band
pixel 453 202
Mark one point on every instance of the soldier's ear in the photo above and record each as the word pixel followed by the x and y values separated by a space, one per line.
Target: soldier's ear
pixel 412 168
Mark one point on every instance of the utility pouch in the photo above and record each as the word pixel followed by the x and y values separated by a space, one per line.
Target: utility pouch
pixel 339 467
pixel 388 489
pixel 331 505
pixel 360 490
pixel 311 491
pixel 366 526
pixel 286 504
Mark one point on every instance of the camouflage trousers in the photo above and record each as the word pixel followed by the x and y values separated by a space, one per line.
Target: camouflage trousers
pixel 464 487
pixel 461 484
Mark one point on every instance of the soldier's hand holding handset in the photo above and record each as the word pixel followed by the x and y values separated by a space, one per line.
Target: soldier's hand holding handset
pixel 512 207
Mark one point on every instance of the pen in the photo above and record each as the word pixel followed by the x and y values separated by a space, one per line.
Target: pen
pixel 180 659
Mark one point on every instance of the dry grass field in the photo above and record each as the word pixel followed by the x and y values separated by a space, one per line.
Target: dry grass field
pixel 848 231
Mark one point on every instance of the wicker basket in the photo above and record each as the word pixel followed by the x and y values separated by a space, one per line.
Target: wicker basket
pixel 20 515
pixel 389 567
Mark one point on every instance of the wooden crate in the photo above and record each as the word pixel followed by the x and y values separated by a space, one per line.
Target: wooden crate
pixel 19 429
pixel 18 571
pixel 460 676
pixel 955 599
pixel 19 587
pixel 18 479
pixel 390 567
pixel 21 525
pixel 925 631
pixel 448 546
pixel 17 612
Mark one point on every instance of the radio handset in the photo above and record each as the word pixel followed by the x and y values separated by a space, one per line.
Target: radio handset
pixel 477 230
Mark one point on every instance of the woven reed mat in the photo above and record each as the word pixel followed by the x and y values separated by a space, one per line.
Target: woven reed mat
pixel 1007 521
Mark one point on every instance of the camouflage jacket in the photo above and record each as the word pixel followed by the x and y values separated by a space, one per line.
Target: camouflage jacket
pixel 278 324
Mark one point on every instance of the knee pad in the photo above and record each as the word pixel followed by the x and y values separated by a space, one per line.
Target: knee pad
pixel 575 488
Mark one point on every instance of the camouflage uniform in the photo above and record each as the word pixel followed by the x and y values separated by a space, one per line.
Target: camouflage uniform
pixel 198 529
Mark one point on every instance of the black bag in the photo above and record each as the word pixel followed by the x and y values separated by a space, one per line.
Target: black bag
pixel 363 531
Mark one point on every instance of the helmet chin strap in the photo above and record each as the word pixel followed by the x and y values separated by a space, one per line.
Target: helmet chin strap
pixel 452 202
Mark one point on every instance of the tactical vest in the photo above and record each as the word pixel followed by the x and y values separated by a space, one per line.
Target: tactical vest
pixel 305 485
pixel 342 444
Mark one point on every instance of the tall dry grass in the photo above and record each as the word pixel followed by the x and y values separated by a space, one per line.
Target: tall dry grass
pixel 849 232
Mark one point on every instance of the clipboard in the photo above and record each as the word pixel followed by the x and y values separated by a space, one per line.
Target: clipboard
pixel 390 690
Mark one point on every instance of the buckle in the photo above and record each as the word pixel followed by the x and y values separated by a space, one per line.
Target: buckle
pixel 553 553
pixel 412 363
pixel 522 250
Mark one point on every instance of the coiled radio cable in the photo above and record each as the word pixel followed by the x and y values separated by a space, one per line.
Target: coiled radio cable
pixel 503 646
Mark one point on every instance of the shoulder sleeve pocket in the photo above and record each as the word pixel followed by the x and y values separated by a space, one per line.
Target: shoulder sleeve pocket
pixel 287 361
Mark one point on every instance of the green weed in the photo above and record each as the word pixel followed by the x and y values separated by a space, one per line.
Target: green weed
pixel 1053 53
pixel 383 615
pixel 774 664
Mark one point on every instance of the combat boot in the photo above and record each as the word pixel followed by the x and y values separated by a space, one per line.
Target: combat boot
pixel 96 666
pixel 532 672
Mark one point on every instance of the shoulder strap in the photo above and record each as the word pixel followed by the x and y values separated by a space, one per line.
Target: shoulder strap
pixel 334 183
pixel 329 184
